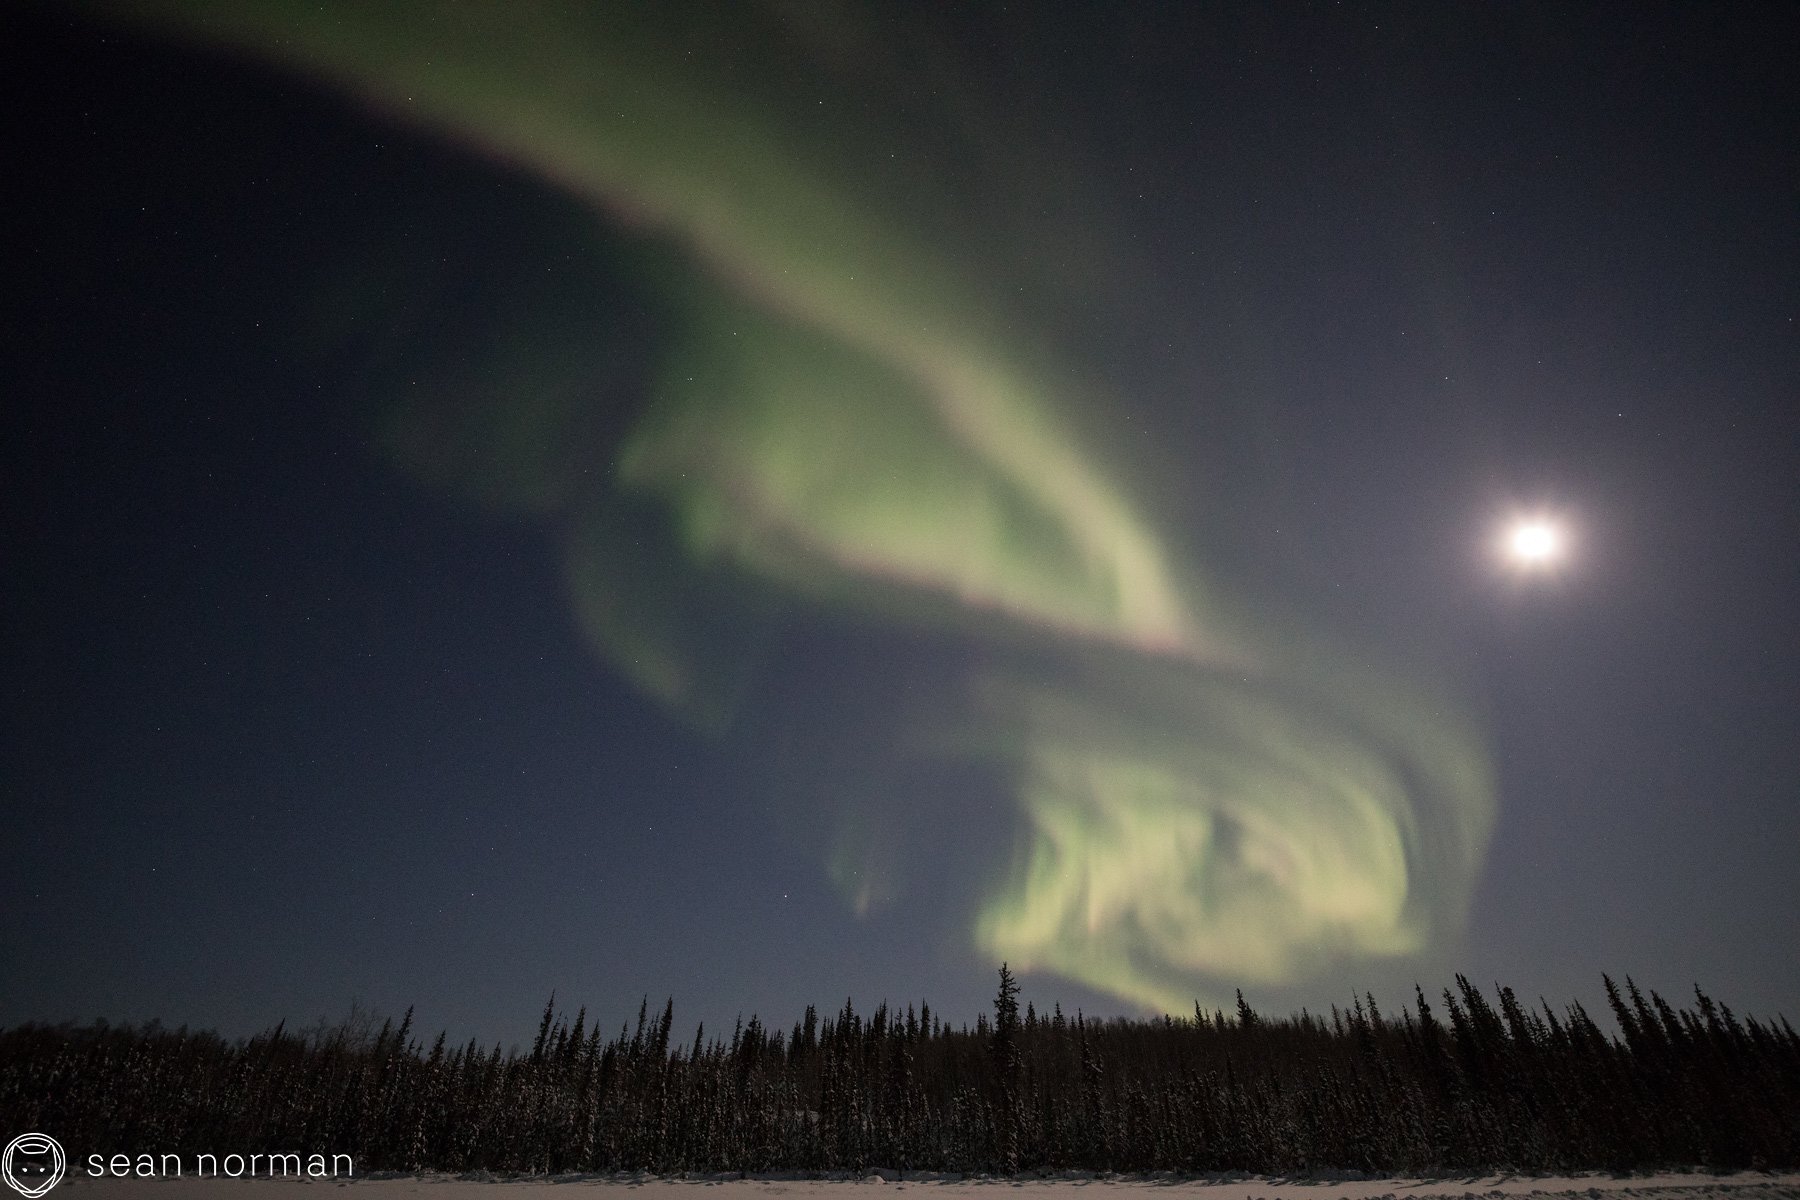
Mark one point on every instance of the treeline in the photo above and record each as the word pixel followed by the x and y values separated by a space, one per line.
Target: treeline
pixel 1465 1085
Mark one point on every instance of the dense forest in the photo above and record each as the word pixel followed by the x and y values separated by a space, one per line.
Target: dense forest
pixel 1466 1085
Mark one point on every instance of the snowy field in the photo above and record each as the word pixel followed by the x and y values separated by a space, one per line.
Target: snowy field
pixel 1748 1186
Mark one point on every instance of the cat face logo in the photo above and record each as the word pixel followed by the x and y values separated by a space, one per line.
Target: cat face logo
pixel 32 1164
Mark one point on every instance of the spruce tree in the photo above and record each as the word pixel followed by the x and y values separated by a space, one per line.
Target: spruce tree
pixel 1005 1048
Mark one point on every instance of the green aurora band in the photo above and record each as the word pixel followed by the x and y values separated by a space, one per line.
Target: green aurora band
pixel 845 416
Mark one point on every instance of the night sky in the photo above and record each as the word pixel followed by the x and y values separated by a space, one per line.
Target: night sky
pixel 765 503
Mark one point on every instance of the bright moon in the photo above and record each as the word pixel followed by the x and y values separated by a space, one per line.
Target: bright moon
pixel 1534 542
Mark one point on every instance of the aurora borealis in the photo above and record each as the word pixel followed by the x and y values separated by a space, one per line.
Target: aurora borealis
pixel 842 420
pixel 841 465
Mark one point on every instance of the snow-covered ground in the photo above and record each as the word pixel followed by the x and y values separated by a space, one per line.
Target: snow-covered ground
pixel 1743 1186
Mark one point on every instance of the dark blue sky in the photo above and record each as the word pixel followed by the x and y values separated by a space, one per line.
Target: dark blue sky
pixel 288 721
